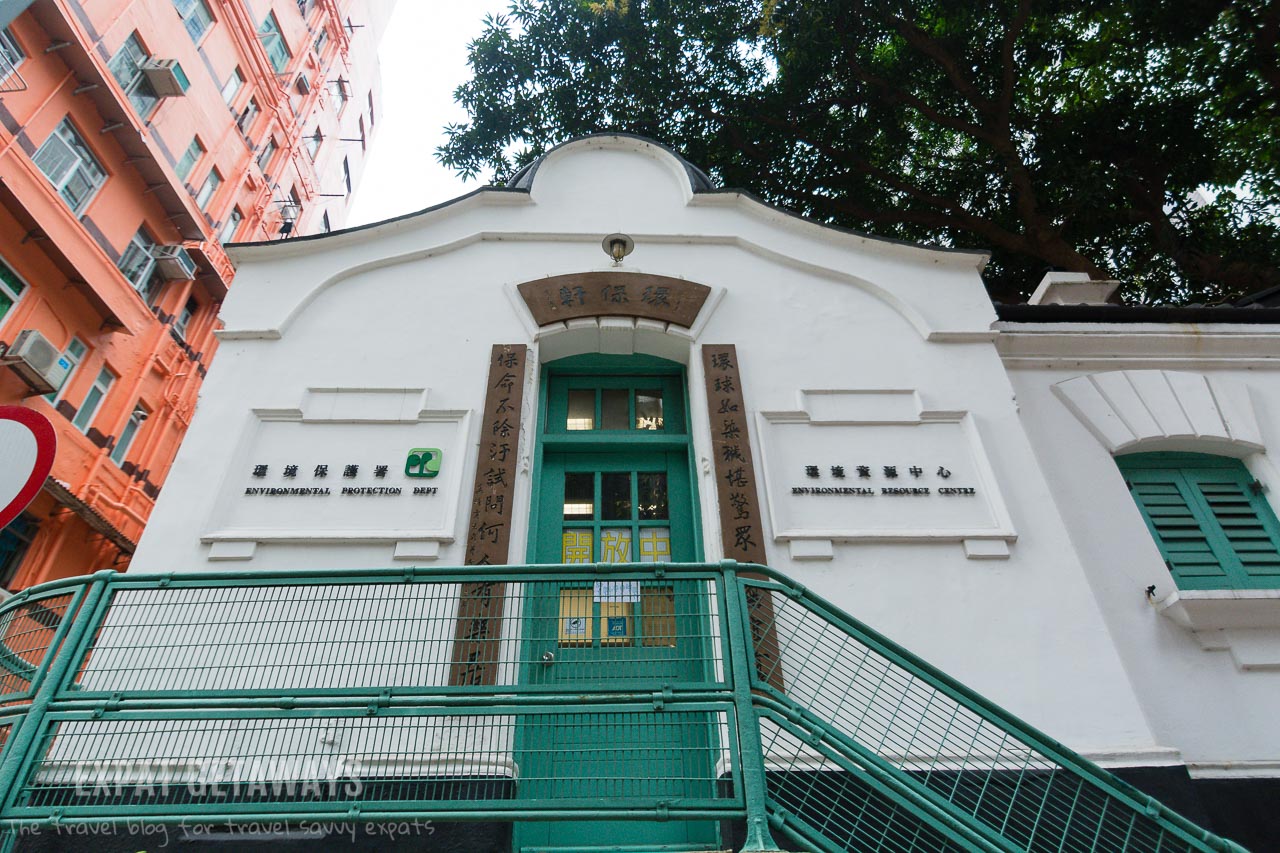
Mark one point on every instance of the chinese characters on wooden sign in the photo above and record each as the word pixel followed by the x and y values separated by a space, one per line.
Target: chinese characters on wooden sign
pixel 740 521
pixel 479 629
pixel 613 294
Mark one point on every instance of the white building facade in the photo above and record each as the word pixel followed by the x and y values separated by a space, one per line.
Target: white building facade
pixel 857 415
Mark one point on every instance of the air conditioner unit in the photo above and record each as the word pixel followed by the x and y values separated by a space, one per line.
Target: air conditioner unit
pixel 38 362
pixel 174 262
pixel 166 77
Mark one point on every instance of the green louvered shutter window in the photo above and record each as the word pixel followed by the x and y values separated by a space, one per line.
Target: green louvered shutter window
pixel 1208 515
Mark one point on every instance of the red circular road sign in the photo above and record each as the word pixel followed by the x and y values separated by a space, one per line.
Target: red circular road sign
pixel 27 444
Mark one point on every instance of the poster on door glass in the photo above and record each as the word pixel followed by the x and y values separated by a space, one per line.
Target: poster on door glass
pixel 615 545
pixel 575 546
pixel 619 592
pixel 655 545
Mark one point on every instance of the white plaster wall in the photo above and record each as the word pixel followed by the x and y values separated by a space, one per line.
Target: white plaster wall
pixel 417 304
pixel 1220 716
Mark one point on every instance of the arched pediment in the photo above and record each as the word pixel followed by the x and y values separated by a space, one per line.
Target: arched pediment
pixel 1163 409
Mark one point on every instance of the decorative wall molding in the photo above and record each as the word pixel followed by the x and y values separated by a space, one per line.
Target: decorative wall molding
pixel 1125 408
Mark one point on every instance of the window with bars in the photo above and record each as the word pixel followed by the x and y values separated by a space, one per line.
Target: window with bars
pixel 232 87
pixel 70 359
pixel 189 159
pixel 70 166
pixel 97 393
pixel 273 43
pixel 1210 518
pixel 341 94
pixel 138 260
pixel 195 17
pixel 247 115
pixel 182 324
pixel 208 188
pixel 15 539
pixel 11 289
pixel 129 433
pixel 266 154
pixel 126 67
pixel 231 226
pixel 11 54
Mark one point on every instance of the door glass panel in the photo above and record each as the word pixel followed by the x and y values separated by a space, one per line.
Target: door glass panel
pixel 579 497
pixel 613 408
pixel 649 409
pixel 615 496
pixel 615 545
pixel 658 604
pixel 655 545
pixel 582 409
pixel 575 546
pixel 652 496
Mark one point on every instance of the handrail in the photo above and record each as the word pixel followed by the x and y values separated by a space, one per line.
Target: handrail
pixel 161 678
pixel 973 701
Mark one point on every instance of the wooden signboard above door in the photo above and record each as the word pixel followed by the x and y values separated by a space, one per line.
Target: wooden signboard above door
pixel 614 294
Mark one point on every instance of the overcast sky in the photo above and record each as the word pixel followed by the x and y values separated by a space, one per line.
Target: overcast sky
pixel 424 58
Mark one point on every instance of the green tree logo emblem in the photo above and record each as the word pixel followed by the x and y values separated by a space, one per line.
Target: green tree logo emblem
pixel 423 462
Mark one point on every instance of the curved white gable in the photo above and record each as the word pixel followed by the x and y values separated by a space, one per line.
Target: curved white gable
pixel 598 185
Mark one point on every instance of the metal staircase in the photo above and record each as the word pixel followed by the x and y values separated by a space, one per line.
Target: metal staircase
pixel 693 696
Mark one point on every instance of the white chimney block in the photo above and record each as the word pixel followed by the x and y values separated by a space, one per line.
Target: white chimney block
pixel 1072 288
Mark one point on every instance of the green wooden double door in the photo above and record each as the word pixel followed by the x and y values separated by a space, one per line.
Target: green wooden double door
pixel 614 485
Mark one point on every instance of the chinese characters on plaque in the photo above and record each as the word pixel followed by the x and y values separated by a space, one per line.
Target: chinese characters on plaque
pixel 871 480
pixel 613 294
pixel 479 629
pixel 740 523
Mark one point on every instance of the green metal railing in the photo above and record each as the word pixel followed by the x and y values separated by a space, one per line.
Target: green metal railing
pixel 635 692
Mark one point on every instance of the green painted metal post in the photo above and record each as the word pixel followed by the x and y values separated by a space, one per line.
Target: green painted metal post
pixel 750 752
pixel 62 652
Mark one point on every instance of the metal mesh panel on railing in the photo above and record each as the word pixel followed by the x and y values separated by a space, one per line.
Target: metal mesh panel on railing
pixel 949 746
pixel 828 802
pixel 360 636
pixel 26 632
pixel 548 757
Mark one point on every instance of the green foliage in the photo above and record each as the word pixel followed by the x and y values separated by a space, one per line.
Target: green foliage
pixel 1133 139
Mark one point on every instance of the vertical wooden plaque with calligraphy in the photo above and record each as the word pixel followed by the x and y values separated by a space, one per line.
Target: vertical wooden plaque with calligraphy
pixel 740 521
pixel 478 635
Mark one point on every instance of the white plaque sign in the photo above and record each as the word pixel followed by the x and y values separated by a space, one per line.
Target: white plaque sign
pixel 359 468
pixel 871 466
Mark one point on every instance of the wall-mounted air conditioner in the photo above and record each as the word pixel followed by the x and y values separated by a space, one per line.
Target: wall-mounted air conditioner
pixel 166 77
pixel 37 361
pixel 174 262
